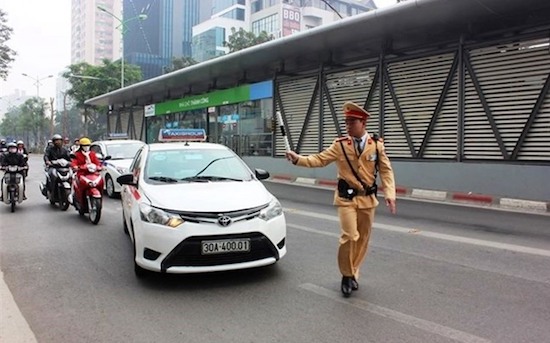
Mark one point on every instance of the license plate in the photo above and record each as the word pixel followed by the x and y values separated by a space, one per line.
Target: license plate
pixel 224 246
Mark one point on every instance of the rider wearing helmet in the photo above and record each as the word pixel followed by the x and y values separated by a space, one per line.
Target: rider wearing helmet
pixel 13 158
pixel 55 152
pixel 75 146
pixel 82 157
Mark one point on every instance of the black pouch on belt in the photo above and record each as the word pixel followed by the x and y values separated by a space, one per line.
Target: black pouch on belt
pixel 345 190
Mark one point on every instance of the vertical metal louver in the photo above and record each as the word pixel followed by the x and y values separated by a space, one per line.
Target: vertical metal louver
pixel 124 122
pixel 353 85
pixel 511 78
pixel 137 123
pixel 295 96
pixel 412 92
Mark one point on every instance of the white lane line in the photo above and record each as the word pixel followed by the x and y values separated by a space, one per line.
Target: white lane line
pixel 430 234
pixel 406 319
pixel 13 326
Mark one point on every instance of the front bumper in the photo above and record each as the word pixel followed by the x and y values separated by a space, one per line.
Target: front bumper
pixel 168 250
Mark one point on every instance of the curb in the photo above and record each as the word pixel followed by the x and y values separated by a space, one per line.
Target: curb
pixel 434 195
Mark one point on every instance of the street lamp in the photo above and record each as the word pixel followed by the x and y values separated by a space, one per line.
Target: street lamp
pixel 37 82
pixel 122 28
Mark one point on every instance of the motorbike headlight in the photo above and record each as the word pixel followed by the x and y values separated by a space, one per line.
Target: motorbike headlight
pixel 158 216
pixel 274 209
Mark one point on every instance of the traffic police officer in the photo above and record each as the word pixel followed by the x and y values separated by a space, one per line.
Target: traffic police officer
pixel 357 157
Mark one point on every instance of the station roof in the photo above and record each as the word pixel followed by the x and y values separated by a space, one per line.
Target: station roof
pixel 397 30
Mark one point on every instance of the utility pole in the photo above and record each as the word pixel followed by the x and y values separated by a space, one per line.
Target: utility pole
pixel 52 117
pixel 65 116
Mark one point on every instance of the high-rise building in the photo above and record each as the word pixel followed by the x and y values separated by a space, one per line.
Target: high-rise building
pixel 210 35
pixel 166 33
pixel 281 18
pixel 93 33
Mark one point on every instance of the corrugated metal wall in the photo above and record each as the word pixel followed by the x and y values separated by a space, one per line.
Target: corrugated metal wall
pixel 506 104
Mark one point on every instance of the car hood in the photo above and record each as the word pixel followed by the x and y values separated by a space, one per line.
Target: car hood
pixel 119 163
pixel 207 197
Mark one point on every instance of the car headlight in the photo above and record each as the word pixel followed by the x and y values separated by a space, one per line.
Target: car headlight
pixel 121 170
pixel 158 216
pixel 274 209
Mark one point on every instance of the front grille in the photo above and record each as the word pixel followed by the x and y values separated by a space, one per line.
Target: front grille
pixel 212 217
pixel 188 252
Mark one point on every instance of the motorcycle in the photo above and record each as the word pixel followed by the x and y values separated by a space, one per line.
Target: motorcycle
pixel 88 196
pixel 63 176
pixel 13 185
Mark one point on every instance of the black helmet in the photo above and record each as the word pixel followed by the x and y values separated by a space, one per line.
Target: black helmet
pixel 56 137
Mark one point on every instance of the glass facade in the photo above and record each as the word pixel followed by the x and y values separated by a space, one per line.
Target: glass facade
pixel 244 126
pixel 206 44
pixel 268 24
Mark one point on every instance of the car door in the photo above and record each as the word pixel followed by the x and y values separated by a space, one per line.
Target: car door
pixel 130 194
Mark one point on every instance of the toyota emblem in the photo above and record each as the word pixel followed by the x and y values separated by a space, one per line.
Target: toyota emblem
pixel 224 220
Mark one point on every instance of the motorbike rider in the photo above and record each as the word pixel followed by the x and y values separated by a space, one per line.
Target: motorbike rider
pixel 75 146
pixel 3 148
pixel 56 151
pixel 13 158
pixel 82 157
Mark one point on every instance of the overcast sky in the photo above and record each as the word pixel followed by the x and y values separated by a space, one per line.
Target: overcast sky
pixel 42 39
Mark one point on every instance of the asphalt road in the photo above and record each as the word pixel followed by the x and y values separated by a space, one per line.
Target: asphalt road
pixel 434 273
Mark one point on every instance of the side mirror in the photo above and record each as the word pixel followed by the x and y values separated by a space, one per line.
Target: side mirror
pixel 108 157
pixel 261 174
pixel 126 179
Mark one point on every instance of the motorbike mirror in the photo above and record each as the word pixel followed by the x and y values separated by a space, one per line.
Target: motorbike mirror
pixel 126 179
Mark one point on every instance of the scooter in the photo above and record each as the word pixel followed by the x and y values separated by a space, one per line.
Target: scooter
pixel 63 176
pixel 88 197
pixel 13 185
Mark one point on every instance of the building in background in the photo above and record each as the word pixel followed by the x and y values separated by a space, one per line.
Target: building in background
pixel 285 17
pixel 166 33
pixel 209 36
pixel 93 34
pixel 14 99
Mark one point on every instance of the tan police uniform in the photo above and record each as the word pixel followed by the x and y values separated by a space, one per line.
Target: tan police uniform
pixel 356 215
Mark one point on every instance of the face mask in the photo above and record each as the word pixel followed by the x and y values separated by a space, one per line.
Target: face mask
pixel 86 148
pixel 12 150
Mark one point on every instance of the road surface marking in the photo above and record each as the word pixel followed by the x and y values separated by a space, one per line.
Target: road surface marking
pixel 13 326
pixel 429 234
pixel 406 319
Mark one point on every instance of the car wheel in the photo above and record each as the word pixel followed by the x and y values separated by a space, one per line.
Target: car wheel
pixel 110 186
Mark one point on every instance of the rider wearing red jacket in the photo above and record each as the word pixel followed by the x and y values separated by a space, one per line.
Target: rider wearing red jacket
pixel 84 156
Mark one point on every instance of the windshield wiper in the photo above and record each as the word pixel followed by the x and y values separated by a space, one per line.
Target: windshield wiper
pixel 211 178
pixel 209 164
pixel 195 179
pixel 163 179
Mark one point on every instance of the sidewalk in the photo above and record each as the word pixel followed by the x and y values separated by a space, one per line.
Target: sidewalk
pixel 468 198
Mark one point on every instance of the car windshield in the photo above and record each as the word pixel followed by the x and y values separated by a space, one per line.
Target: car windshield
pixel 123 151
pixel 196 165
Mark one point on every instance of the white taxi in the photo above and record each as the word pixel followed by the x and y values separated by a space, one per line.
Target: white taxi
pixel 118 155
pixel 192 207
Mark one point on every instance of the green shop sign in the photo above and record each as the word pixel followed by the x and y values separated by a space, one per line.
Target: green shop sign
pixel 217 98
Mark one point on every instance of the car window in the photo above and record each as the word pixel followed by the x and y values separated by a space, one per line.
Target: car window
pixel 123 151
pixel 136 162
pixel 96 149
pixel 218 164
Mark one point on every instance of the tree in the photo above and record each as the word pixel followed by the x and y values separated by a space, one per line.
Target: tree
pixel 6 54
pixel 179 63
pixel 242 39
pixel 27 121
pixel 88 81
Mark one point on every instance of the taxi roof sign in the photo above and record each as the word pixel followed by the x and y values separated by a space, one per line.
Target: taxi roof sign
pixel 117 135
pixel 182 135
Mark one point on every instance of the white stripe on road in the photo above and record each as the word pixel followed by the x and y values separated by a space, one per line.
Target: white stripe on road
pixel 418 323
pixel 13 326
pixel 418 232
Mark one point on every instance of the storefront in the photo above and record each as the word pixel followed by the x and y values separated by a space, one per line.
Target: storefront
pixel 239 117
